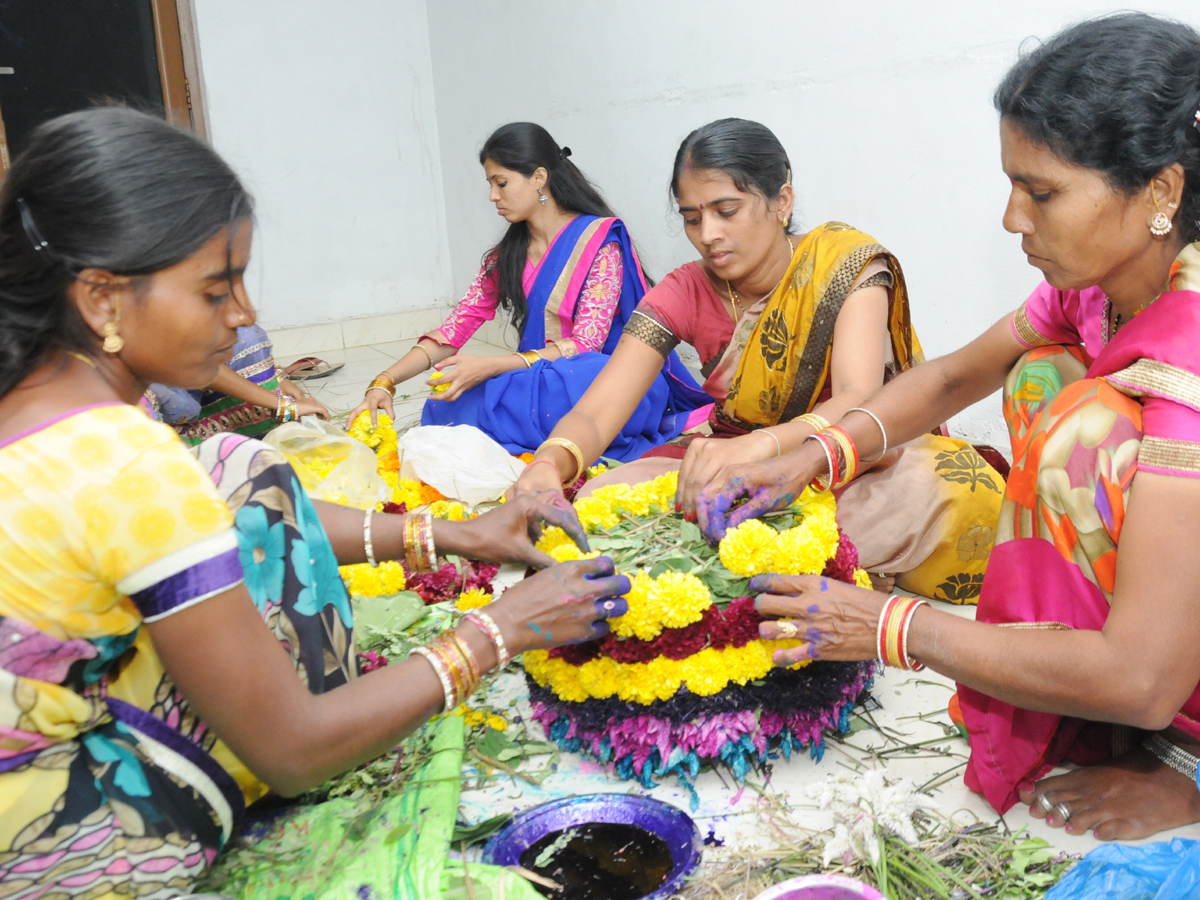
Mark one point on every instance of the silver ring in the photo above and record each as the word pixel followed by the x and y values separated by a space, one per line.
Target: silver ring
pixel 1061 809
pixel 1044 802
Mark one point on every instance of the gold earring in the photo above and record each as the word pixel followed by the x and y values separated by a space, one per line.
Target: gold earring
pixel 1160 225
pixel 113 342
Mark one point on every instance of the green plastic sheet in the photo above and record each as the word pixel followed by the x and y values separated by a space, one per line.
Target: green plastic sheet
pixel 397 850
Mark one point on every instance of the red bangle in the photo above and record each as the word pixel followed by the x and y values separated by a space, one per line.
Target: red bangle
pixel 547 462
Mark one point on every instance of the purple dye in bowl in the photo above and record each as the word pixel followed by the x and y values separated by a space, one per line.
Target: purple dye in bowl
pixel 821 887
pixel 663 820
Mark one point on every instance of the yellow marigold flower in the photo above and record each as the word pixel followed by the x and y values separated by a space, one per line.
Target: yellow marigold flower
pixel 363 580
pixel 661 491
pixel 570 553
pixel 525 457
pixel 553 537
pixel 496 723
pixel 597 469
pixel 678 599
pixel 373 436
pixel 439 388
pixel 749 549
pixel 797 554
pixel 476 718
pixel 862 579
pixel 472 599
pixel 640 621
pixel 596 514
pixel 448 509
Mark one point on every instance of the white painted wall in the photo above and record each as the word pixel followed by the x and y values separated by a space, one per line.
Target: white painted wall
pixel 327 111
pixel 884 107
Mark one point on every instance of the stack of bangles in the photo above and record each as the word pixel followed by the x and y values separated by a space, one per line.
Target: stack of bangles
pixel 383 382
pixel 891 635
pixel 841 454
pixel 455 665
pixel 419 551
pixel 285 407
pixel 571 448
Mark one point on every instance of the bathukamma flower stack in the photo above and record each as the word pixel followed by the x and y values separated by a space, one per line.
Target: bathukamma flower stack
pixel 683 679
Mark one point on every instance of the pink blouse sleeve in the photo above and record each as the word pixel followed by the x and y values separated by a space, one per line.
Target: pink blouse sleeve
pixel 597 303
pixel 477 306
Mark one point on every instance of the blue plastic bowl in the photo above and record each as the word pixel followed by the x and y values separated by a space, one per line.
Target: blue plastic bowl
pixel 670 823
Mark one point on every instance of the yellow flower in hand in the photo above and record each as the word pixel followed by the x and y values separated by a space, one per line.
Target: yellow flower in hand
pixel 749 549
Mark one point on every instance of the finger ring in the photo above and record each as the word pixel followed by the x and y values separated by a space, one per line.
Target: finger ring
pixel 1044 802
pixel 1061 809
pixel 787 628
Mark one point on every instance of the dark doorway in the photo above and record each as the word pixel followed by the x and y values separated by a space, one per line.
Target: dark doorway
pixel 66 55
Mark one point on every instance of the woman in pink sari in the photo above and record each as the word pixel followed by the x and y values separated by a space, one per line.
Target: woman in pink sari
pixel 1084 648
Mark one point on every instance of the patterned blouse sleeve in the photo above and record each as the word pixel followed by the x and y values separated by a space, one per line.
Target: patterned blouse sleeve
pixel 597 303
pixel 160 534
pixel 477 306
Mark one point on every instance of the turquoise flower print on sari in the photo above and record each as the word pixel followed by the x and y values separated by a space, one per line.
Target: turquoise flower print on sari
pixel 315 565
pixel 261 551
pixel 129 775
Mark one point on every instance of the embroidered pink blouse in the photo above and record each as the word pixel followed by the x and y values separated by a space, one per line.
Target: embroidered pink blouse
pixel 593 320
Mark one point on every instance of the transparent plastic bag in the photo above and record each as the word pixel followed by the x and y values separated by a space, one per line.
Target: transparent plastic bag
pixel 329 463
pixel 460 461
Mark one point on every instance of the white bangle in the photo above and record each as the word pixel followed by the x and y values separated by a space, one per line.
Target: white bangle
pixel 368 547
pixel 878 422
pixel 769 433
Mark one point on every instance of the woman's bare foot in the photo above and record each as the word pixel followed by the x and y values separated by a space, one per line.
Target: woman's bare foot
pixel 1132 797
pixel 885 584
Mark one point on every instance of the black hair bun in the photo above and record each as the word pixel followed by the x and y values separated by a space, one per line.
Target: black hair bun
pixel 564 152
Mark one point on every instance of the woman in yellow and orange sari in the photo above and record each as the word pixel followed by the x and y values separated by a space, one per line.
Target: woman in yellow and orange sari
pixel 792 333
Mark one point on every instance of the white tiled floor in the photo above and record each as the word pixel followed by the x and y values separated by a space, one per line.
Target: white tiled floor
pixel 343 390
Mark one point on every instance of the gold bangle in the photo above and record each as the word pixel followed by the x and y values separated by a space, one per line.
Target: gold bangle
pixel 571 447
pixel 819 423
pixel 524 359
pixel 382 382
pixel 428 355
pixel 443 675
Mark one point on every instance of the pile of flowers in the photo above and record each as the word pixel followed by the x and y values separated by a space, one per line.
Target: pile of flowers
pixel 382 439
pixel 683 679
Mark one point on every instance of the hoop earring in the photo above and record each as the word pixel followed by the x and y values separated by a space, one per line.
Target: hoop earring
pixel 113 342
pixel 542 198
pixel 1160 225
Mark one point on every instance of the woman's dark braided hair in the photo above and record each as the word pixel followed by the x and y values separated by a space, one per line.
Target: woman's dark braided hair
pixel 525 147
pixel 1119 94
pixel 107 188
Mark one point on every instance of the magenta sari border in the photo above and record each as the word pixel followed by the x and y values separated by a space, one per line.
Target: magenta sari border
pixel 49 423
pixel 1157 470
pixel 600 236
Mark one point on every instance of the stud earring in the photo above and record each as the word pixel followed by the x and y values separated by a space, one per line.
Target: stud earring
pixel 542 198
pixel 1160 225
pixel 113 342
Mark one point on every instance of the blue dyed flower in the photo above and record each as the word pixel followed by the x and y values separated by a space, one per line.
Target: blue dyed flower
pixel 261 551
pixel 315 565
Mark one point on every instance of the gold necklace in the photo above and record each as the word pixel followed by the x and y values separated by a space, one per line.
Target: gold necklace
pixel 733 295
pixel 83 359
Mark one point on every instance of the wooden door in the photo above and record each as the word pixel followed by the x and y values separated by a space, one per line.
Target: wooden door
pixel 57 56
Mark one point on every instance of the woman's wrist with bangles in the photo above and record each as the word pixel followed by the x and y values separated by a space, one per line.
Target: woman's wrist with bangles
pixel 286 409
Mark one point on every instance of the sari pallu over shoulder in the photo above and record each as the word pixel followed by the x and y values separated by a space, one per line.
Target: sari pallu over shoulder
pixel 519 409
pixel 785 364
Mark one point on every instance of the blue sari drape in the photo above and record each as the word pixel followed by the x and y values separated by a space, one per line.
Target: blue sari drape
pixel 519 409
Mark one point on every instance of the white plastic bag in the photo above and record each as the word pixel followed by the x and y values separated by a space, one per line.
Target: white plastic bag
pixel 460 461
pixel 329 463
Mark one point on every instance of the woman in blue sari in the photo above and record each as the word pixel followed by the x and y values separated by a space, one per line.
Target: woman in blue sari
pixel 567 274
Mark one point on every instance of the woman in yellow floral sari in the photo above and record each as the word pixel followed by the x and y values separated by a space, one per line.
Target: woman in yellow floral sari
pixel 792 332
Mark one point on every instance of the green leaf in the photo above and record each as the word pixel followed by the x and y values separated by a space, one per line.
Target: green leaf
pixel 675 564
pixel 396 833
pixel 506 755
pixel 473 834
pixel 389 613
pixel 690 532
pixel 493 743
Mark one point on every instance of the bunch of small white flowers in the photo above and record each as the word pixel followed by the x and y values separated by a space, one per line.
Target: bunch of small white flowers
pixel 864 805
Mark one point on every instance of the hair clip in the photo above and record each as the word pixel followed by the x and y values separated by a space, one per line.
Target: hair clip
pixel 30 227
